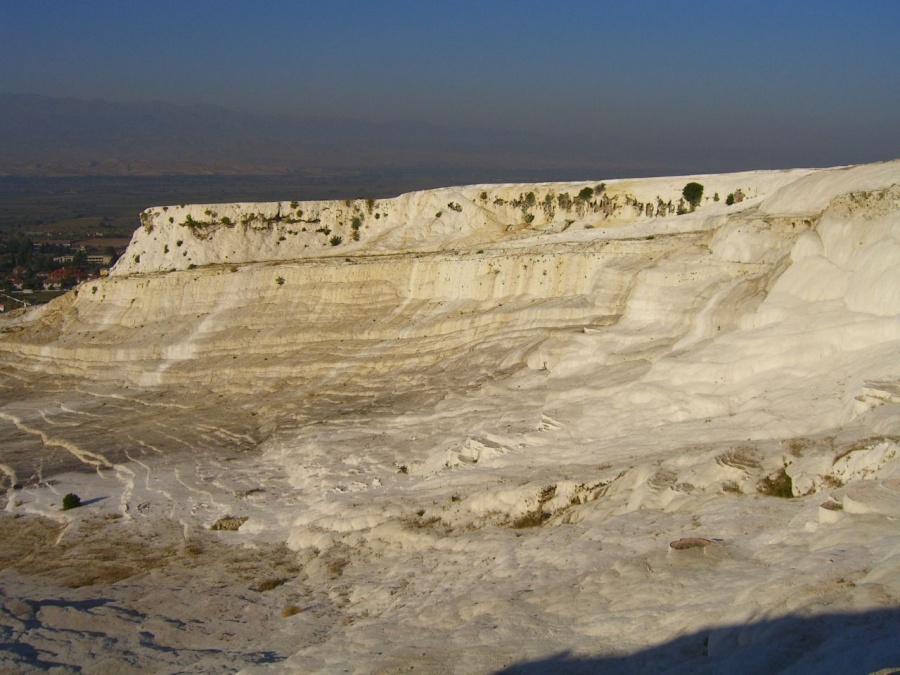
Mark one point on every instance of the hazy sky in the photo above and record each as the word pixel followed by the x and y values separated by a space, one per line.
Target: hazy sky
pixel 777 83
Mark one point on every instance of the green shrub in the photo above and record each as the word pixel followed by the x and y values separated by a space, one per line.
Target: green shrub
pixel 71 501
pixel 779 484
pixel 693 193
pixel 336 240
pixel 729 200
pixel 585 194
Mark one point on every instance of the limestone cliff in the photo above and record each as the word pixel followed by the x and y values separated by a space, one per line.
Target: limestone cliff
pixel 497 275
pixel 480 420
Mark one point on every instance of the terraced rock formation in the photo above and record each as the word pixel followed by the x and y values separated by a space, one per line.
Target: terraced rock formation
pixel 471 428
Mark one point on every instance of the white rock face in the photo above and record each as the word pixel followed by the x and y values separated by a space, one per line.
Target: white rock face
pixel 465 435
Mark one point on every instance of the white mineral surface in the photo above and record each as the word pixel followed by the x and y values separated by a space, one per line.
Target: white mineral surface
pixel 493 428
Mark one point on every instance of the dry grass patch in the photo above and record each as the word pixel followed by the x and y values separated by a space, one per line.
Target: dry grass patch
pixel 778 484
pixel 228 524
pixel 268 584
pixel 98 551
pixel 686 543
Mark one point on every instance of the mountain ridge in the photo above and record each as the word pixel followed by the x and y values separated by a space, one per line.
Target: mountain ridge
pixel 54 136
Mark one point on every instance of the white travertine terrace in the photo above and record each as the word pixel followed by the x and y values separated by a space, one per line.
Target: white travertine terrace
pixel 493 410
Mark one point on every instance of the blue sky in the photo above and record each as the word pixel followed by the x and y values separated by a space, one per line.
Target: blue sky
pixel 785 83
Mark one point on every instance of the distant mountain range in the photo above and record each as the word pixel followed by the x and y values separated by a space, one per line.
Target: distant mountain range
pixel 42 135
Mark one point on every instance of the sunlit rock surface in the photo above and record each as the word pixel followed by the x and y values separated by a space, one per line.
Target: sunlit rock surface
pixel 543 428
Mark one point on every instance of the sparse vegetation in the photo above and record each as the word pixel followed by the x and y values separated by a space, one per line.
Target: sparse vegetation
pixel 693 193
pixel 71 501
pixel 269 584
pixel 548 205
pixel 778 484
pixel 538 515
pixel 229 523
pixel 279 281
pixel 336 240
pixel 731 487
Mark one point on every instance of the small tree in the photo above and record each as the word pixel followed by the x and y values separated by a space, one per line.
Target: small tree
pixel 71 501
pixel 693 193
pixel 585 194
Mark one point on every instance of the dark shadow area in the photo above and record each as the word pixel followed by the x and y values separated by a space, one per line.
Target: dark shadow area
pixel 845 644
pixel 26 655
pixel 88 502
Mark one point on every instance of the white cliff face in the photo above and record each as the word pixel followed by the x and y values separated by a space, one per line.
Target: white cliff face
pixel 188 236
pixel 489 415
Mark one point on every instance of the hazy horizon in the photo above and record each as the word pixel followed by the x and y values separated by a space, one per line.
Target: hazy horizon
pixel 651 83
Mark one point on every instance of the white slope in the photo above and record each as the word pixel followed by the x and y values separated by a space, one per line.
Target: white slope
pixel 502 437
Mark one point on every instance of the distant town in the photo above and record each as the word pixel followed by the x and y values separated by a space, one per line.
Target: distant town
pixel 32 273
